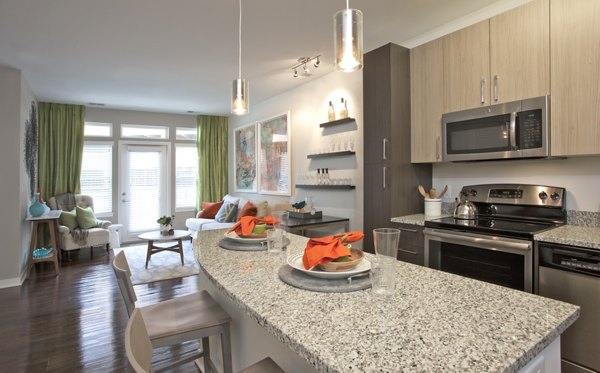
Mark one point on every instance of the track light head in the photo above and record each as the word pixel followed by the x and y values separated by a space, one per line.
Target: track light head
pixel 306 70
pixel 295 73
pixel 317 62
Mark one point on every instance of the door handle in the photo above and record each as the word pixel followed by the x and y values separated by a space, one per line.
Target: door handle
pixel 495 87
pixel 483 90
pixel 408 251
pixel 385 141
pixel 124 200
pixel 513 131
pixel 384 172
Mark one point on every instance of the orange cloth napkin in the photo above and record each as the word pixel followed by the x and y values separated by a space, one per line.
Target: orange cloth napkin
pixel 245 226
pixel 324 250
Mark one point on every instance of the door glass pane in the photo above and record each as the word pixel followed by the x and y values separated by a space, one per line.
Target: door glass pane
pixel 145 190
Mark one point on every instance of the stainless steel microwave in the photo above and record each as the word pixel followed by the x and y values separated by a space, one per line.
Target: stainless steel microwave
pixel 518 129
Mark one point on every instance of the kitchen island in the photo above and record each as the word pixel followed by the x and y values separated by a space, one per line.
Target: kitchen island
pixel 436 321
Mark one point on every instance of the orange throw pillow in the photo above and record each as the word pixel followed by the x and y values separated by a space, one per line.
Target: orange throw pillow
pixel 209 209
pixel 248 210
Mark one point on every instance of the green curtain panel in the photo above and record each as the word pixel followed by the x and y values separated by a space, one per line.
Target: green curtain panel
pixel 212 158
pixel 60 147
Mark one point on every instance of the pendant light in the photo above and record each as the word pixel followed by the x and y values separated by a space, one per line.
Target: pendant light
pixel 348 39
pixel 239 100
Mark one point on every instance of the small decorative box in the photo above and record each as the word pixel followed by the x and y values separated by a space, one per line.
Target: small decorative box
pixel 305 214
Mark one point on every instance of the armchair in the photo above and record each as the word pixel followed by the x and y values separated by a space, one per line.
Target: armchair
pixel 97 236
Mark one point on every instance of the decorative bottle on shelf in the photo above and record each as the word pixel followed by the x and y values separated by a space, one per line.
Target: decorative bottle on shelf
pixel 327 179
pixel 343 110
pixel 331 112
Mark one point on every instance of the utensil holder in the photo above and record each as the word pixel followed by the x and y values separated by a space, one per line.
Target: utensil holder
pixel 433 207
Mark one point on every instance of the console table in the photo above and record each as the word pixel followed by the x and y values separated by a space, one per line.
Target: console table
pixel 51 219
pixel 299 226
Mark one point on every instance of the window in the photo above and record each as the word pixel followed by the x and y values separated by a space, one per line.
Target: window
pixel 96 175
pixel 96 129
pixel 186 176
pixel 144 132
pixel 186 133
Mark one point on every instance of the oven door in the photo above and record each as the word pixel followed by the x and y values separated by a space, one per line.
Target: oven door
pixel 499 260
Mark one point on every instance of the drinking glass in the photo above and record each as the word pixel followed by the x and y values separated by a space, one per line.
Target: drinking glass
pixel 383 265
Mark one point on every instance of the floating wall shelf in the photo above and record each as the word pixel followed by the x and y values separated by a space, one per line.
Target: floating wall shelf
pixel 343 187
pixel 336 122
pixel 332 154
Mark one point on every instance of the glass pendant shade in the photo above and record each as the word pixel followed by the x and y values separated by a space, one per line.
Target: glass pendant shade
pixel 348 40
pixel 239 101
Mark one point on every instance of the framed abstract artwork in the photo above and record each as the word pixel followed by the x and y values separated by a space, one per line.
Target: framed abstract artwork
pixel 244 148
pixel 274 155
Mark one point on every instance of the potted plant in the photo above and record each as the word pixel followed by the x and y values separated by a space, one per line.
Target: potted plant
pixel 166 225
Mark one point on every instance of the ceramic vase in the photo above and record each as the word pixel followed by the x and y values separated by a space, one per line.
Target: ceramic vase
pixel 37 209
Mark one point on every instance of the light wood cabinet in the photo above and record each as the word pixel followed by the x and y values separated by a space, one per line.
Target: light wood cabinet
pixel 427 101
pixel 520 53
pixel 467 67
pixel 575 56
pixel 502 59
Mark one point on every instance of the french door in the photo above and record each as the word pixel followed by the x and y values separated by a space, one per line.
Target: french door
pixel 143 188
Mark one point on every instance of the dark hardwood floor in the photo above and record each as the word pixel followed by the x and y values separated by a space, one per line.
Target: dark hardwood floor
pixel 75 322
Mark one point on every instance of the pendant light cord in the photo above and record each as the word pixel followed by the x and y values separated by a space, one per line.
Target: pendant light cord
pixel 240 44
pixel 347 4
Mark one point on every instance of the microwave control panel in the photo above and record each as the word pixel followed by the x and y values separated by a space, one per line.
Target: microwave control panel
pixel 530 129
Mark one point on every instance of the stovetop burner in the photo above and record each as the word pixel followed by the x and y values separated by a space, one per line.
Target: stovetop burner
pixel 495 226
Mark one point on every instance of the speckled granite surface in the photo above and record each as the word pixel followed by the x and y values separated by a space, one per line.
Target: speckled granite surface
pixel 583 218
pixel 416 219
pixel 436 321
pixel 572 235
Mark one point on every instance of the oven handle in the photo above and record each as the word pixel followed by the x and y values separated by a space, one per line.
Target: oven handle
pixel 484 242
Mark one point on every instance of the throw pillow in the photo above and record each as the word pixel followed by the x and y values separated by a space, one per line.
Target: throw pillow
pixel 209 209
pixel 69 219
pixel 261 208
pixel 85 217
pixel 248 210
pixel 226 213
pixel 231 199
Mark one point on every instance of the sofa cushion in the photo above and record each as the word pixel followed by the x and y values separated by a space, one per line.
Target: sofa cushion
pixel 215 225
pixel 262 208
pixel 227 213
pixel 195 224
pixel 248 210
pixel 85 217
pixel 69 219
pixel 209 209
pixel 231 199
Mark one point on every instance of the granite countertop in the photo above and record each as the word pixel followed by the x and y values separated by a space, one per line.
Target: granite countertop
pixel 416 219
pixel 572 235
pixel 437 321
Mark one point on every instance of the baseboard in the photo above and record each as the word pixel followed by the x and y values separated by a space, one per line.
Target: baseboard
pixel 12 282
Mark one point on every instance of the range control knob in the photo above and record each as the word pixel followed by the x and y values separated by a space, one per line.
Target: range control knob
pixel 555 196
pixel 543 195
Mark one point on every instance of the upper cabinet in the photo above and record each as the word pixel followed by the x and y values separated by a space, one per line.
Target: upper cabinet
pixel 575 111
pixel 467 67
pixel 427 101
pixel 502 59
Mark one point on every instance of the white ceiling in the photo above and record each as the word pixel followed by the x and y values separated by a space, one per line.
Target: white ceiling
pixel 180 55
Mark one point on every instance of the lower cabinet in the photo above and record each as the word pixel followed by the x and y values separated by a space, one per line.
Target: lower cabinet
pixel 412 244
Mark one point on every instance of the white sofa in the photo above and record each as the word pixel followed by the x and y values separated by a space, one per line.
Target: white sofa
pixel 263 208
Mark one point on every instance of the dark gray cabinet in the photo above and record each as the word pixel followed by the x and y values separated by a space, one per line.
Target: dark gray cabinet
pixel 412 243
pixel 390 180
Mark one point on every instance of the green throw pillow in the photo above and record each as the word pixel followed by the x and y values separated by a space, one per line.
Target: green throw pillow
pixel 226 213
pixel 86 218
pixel 69 219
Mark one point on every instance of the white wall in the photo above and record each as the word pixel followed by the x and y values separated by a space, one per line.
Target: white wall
pixel 308 104
pixel 14 188
pixel 118 117
pixel 580 176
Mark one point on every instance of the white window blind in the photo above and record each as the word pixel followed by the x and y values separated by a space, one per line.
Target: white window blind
pixel 96 175
pixel 145 189
pixel 186 176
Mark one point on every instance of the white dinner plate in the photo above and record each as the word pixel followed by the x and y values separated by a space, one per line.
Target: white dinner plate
pixel 295 261
pixel 234 236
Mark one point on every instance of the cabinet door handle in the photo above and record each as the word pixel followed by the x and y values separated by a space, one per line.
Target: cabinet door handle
pixel 385 141
pixel 408 251
pixel 438 143
pixel 483 90
pixel 408 230
pixel 384 171
pixel 495 87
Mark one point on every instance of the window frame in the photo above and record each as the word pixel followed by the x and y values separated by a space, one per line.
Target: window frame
pixel 112 174
pixel 185 128
pixel 145 126
pixel 99 124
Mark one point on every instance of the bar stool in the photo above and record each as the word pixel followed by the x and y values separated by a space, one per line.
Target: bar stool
pixel 191 317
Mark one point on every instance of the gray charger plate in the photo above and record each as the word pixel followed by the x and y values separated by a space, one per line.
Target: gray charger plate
pixel 228 244
pixel 301 280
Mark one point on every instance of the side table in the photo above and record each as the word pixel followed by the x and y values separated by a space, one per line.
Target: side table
pixel 176 247
pixel 50 219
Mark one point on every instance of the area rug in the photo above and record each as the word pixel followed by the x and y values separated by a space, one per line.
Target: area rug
pixel 162 266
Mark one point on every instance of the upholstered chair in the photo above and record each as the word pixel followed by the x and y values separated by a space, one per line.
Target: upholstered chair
pixel 96 236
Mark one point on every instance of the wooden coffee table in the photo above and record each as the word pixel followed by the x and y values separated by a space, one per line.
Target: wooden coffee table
pixel 175 247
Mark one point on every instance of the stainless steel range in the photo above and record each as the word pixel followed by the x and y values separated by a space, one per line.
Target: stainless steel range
pixel 496 243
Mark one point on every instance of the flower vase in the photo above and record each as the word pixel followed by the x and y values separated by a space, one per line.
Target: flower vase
pixel 37 209
pixel 166 229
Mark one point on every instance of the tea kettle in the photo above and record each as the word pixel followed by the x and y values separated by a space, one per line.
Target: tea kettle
pixel 465 210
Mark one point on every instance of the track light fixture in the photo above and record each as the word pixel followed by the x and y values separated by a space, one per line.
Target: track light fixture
pixel 303 63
